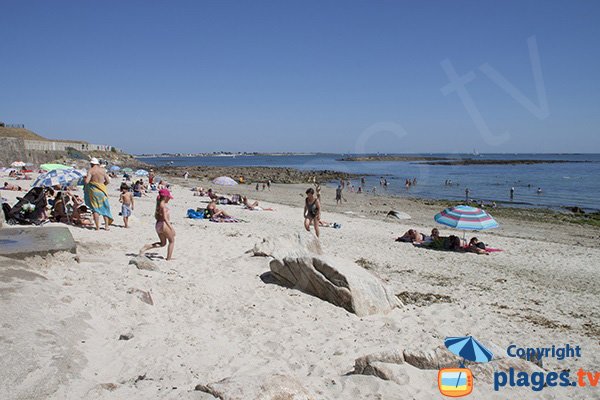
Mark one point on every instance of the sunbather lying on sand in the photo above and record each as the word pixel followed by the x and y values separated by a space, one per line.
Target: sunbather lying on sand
pixel 254 206
pixel 213 212
pixel 10 186
pixel 475 246
pixel 412 236
pixel 198 191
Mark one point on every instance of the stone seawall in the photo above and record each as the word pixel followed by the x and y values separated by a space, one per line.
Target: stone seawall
pixel 13 149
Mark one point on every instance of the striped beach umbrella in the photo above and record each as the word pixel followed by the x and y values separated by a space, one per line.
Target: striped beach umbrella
pixel 466 218
pixel 141 172
pixel 60 177
pixel 468 348
pixel 17 164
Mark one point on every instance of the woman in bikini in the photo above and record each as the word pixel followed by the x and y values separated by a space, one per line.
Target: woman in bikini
pixel 164 228
pixel 312 211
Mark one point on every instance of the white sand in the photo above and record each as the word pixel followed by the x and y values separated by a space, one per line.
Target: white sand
pixel 213 317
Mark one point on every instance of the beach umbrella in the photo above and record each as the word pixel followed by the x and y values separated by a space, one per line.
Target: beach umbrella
pixel 141 172
pixel 466 218
pixel 50 167
pixel 224 181
pixel 115 168
pixel 127 170
pixel 468 348
pixel 60 177
pixel 17 164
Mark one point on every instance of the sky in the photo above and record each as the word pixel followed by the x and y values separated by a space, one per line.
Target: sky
pixel 341 76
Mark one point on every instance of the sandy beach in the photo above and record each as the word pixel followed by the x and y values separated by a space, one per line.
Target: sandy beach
pixel 213 317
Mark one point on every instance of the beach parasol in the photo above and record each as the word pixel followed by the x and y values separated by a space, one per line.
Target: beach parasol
pixel 50 167
pixel 466 218
pixel 17 164
pixel 115 168
pixel 224 181
pixel 468 348
pixel 127 170
pixel 141 172
pixel 60 177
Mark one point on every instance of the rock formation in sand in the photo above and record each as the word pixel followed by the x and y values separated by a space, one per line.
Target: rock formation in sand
pixel 337 281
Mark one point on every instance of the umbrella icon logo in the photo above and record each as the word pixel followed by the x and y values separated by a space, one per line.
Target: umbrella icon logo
pixel 458 382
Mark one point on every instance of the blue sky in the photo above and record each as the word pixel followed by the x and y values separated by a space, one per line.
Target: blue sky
pixel 339 76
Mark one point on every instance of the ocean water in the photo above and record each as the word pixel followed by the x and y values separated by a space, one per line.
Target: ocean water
pixel 569 184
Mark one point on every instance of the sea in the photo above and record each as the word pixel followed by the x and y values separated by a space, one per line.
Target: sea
pixel 575 183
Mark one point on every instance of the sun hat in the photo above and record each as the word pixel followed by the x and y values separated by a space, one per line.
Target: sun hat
pixel 94 161
pixel 165 193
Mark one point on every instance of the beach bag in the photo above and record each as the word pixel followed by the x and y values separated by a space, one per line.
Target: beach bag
pixel 193 214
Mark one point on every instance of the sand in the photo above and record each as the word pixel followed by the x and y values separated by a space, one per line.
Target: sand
pixel 213 317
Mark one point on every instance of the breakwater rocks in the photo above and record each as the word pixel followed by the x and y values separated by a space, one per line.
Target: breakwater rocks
pixel 257 174
pixel 499 162
pixel 391 158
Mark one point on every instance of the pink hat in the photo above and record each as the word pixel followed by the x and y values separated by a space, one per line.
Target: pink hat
pixel 165 193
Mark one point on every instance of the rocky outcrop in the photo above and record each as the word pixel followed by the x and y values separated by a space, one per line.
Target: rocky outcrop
pixel 340 282
pixel 271 387
pixel 384 365
pixel 142 262
pixel 294 245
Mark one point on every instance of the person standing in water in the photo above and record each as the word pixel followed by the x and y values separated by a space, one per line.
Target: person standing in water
pixel 467 192
pixel 512 192
pixel 312 211
pixel 164 228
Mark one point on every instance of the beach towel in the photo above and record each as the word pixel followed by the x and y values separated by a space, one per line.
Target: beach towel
pixel 96 198
pixel 225 219
pixel 492 250
pixel 193 214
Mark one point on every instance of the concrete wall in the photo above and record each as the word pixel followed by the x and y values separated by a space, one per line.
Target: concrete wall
pixel 13 149
pixel 38 151
pixel 40 145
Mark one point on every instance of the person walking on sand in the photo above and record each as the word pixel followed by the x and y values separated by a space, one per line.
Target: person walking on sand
pixel 164 228
pixel 312 211
pixel 96 194
pixel 127 204
pixel 338 195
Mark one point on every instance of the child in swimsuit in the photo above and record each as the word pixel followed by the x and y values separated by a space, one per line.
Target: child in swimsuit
pixel 164 229
pixel 126 200
pixel 312 211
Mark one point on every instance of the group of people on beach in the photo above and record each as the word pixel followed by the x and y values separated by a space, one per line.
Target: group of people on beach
pixel 437 242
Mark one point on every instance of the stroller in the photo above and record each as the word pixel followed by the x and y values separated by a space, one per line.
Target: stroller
pixel 29 210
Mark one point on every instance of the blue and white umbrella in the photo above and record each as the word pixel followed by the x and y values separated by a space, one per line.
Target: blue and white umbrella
pixel 115 168
pixel 141 172
pixel 468 348
pixel 224 181
pixel 60 177
pixel 466 218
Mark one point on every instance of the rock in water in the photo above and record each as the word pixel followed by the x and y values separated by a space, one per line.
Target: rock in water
pixel 142 262
pixel 294 245
pixel 340 282
pixel 271 387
